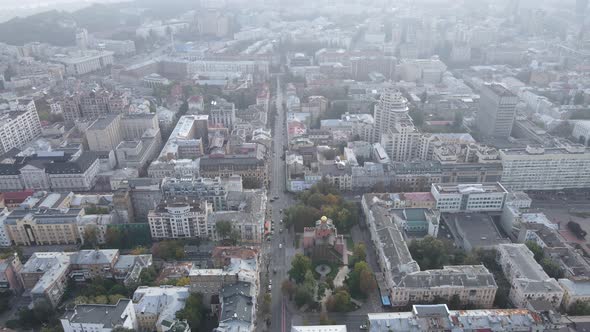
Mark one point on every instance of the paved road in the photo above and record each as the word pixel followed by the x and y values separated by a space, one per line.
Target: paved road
pixel 281 249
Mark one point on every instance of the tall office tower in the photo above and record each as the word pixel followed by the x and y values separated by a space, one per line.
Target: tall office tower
pixel 497 109
pixel 391 109
pixel 82 39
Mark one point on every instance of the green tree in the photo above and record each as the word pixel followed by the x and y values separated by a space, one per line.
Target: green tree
pixel 266 303
pixel 223 228
pixel 359 253
pixel 193 311
pixel 430 253
pixel 303 296
pixel 551 268
pixel 113 237
pixel 579 308
pixel 536 250
pixel 91 236
pixel 339 302
pixel 299 267
pixel 361 280
pixel 122 329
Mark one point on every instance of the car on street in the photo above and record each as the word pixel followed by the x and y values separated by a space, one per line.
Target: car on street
pixel 269 287
pixel 274 271
pixel 363 327
pixel 276 197
pixel 280 246
pixel 280 230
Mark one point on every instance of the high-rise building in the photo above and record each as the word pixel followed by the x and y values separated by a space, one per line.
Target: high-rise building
pixel 391 109
pixel 82 39
pixel 395 130
pixel 173 219
pixel 497 109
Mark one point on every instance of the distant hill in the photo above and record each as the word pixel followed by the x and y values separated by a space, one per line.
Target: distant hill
pixel 58 27
pixel 52 27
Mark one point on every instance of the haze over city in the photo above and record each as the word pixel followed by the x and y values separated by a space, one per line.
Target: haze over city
pixel 294 166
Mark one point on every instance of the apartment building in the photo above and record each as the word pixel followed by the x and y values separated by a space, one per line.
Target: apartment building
pixel 474 285
pixel 45 275
pixel 90 104
pixel 181 218
pixel 104 134
pixel 249 167
pixel 477 197
pixel 100 317
pixel 527 278
pixel 540 168
pixel 213 190
pixel 17 128
pixel 391 109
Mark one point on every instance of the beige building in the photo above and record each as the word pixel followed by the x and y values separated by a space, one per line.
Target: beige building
pixel 527 278
pixel 181 219
pixel 104 134
pixel 43 227
pixel 575 290
pixel 133 126
pixel 473 284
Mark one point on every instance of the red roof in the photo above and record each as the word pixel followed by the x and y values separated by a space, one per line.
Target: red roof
pixel 17 196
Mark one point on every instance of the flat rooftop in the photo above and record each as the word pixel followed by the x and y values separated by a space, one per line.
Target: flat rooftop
pixel 476 188
pixel 107 315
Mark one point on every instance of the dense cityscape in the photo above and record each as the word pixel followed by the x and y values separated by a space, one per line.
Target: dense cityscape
pixel 295 166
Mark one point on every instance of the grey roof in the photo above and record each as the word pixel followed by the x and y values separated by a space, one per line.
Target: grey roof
pixel 109 316
pixel 78 166
pixel 450 276
pixel 476 230
pixel 102 256
pixel 45 216
pixel 237 303
pixel 102 122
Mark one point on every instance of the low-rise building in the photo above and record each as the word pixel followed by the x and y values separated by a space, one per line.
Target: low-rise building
pixel 438 317
pixel 45 276
pixel 100 317
pixel 527 278
pixel 473 285
pixel 574 290
pixel 469 197
pixel 156 307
